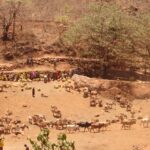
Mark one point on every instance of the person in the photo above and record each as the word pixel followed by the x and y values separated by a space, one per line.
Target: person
pixel 29 61
pixel 45 79
pixel 55 65
pixel 49 76
pixel 1 143
pixel 33 75
pixel 33 92
pixel 26 147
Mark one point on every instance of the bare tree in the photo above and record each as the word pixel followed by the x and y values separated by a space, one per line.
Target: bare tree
pixel 8 14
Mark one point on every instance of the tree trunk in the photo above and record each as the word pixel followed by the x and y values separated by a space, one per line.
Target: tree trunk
pixel 5 32
pixel 105 64
pixel 104 70
pixel 14 26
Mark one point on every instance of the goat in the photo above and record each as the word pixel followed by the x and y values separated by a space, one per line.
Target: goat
pixel 127 123
pixel 145 122
pixel 72 128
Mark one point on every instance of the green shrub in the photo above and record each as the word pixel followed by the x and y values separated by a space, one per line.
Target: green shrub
pixel 43 142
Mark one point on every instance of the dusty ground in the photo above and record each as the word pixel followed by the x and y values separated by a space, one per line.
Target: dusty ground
pixel 73 106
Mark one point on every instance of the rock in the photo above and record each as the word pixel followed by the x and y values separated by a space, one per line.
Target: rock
pixel 141 91
pixel 83 81
pixel 8 56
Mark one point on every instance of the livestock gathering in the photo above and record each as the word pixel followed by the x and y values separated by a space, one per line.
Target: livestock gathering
pixel 67 102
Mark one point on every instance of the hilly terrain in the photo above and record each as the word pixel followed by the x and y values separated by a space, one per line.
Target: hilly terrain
pixel 77 67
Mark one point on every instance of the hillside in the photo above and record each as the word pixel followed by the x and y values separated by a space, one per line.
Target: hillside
pixel 41 25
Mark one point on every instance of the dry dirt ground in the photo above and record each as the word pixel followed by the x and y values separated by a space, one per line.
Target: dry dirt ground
pixel 73 106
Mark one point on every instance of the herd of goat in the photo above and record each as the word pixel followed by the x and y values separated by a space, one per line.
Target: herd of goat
pixel 16 127
pixel 10 126
pixel 93 126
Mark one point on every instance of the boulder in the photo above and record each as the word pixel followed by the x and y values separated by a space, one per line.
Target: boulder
pixel 141 90
pixel 83 81
pixel 111 88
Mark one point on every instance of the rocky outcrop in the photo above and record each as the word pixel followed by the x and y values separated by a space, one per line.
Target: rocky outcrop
pixel 83 81
pixel 110 88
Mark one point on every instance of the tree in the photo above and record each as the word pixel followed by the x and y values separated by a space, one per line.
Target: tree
pixel 105 32
pixel 43 143
pixel 144 39
pixel 9 12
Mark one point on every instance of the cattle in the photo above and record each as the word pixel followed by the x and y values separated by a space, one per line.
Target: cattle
pixel 43 95
pixel 127 123
pixel 6 119
pixel 7 129
pixel 93 103
pixel 84 125
pixel 60 124
pixel 100 103
pixel 43 125
pixel 97 126
pixel 56 112
pixel 94 94
pixel 35 119
pixel 17 132
pixel 15 122
pixel 53 108
pixel 23 126
pixel 86 92
pixel 1 130
pixel 68 87
pixel 8 113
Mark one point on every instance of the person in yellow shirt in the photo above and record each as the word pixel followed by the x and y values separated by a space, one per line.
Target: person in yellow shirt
pixel 1 143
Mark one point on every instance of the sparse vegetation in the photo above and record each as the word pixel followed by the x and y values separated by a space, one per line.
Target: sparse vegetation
pixel 43 142
pixel 116 32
